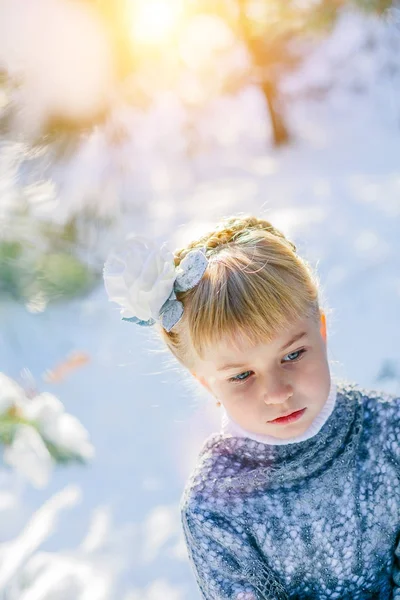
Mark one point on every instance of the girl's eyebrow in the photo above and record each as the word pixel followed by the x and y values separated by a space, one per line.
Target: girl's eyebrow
pixel 294 339
pixel 230 366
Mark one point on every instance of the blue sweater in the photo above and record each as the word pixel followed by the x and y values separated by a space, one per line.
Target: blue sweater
pixel 316 519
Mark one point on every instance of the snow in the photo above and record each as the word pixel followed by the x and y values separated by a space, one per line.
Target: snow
pixel 336 192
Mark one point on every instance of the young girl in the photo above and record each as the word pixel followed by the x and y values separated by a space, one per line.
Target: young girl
pixel 298 495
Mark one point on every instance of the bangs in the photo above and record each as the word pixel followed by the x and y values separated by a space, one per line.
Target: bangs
pixel 251 299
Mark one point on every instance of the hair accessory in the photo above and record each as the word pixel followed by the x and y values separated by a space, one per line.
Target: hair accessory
pixel 143 279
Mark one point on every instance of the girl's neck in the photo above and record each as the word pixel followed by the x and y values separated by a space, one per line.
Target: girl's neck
pixel 231 427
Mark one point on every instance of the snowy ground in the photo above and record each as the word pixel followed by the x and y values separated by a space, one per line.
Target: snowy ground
pixel 336 192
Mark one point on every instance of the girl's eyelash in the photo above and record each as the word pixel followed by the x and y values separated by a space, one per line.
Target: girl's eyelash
pixel 299 352
pixel 237 381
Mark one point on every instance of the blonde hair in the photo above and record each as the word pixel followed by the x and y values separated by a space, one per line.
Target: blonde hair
pixel 255 285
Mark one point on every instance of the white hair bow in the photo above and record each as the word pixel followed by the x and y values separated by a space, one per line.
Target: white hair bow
pixel 143 280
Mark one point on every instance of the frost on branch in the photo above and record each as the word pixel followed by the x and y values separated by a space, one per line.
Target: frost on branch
pixel 37 433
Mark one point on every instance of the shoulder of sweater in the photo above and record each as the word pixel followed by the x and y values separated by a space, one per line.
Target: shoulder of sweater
pixel 222 456
pixel 381 409
pixel 372 400
pixel 204 467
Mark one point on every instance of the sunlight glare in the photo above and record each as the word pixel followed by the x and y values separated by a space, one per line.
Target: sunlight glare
pixel 201 40
pixel 154 21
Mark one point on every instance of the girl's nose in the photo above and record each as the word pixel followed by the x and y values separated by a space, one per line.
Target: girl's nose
pixel 277 392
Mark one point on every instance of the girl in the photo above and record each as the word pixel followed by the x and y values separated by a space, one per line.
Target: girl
pixel 298 495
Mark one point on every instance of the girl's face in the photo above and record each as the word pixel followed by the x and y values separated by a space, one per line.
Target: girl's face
pixel 260 383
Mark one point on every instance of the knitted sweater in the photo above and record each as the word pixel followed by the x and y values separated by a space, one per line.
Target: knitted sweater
pixel 316 518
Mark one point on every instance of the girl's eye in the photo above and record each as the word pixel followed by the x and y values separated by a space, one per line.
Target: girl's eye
pixel 297 354
pixel 242 377
pixel 239 378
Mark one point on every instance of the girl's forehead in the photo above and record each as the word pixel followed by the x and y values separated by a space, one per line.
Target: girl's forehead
pixel 237 346
pixel 239 341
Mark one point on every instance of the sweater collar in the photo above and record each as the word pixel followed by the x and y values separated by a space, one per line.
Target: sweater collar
pixel 258 465
pixel 229 426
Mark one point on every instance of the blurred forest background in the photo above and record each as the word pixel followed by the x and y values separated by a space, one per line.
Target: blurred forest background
pixel 160 117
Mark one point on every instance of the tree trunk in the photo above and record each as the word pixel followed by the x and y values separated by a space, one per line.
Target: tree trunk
pixel 279 129
pixel 269 86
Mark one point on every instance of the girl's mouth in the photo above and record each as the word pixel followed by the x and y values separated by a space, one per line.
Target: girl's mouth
pixel 289 418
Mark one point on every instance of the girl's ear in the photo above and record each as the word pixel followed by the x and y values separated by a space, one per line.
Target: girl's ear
pixel 323 325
